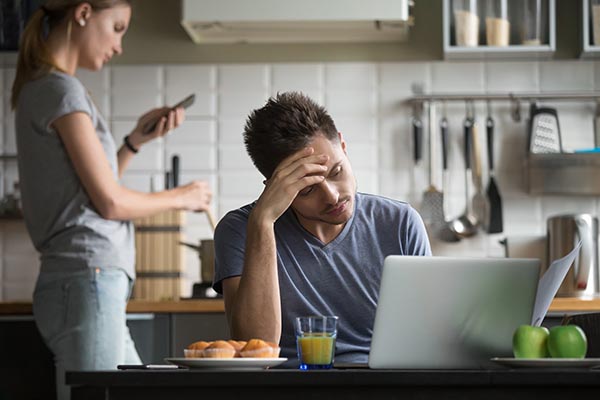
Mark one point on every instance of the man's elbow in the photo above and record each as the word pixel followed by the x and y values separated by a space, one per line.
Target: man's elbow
pixel 109 208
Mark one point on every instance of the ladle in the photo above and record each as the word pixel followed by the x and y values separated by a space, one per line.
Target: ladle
pixel 466 224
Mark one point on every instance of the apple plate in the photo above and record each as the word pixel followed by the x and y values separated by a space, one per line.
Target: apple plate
pixel 547 362
pixel 227 363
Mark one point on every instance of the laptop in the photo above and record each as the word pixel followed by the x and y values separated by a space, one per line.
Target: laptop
pixel 450 313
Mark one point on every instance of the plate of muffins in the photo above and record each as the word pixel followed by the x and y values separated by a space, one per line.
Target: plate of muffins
pixel 254 354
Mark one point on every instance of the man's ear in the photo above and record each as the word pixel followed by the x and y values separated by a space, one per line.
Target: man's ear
pixel 342 142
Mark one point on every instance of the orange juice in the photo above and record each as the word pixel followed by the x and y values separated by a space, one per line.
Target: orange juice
pixel 316 348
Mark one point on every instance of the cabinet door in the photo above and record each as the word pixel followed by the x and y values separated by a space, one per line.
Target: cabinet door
pixel 189 328
pixel 151 335
pixel 27 368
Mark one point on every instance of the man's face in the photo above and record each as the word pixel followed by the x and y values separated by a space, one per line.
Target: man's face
pixel 331 201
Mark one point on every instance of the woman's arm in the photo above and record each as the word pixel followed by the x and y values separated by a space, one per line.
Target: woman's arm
pixel 111 200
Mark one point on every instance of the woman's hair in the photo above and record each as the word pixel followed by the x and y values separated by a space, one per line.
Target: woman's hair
pixel 35 60
pixel 286 124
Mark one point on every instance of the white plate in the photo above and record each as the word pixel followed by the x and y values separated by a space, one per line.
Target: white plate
pixel 548 362
pixel 228 363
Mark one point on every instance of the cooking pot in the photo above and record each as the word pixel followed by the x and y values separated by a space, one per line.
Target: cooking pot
pixel 206 252
pixel 563 233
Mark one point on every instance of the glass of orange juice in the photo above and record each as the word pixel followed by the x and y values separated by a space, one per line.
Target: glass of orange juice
pixel 315 340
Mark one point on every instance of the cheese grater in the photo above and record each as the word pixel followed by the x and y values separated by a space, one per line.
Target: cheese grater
pixel 545 132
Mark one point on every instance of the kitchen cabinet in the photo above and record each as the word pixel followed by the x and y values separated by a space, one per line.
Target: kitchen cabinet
pixel 588 48
pixel 26 359
pixel 472 30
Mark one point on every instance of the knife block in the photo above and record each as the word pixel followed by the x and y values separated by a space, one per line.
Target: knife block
pixel 159 260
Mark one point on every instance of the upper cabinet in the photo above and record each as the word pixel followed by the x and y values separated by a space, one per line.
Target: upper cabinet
pixel 500 29
pixel 590 28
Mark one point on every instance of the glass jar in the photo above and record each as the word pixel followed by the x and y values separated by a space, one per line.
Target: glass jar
pixel 466 22
pixel 497 26
pixel 532 29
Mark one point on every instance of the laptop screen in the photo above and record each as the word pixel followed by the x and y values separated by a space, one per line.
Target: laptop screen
pixel 447 312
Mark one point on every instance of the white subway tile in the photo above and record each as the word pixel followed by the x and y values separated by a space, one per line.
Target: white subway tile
pixel 350 76
pixel 193 78
pixel 400 78
pixel 193 132
pixel 363 156
pixel 18 291
pixel 576 122
pixel 11 175
pixel 243 185
pixel 367 181
pixel 234 157
pixel 512 76
pixel 196 157
pixel 16 240
pixel 10 136
pixel 231 130
pixel 135 90
pixel 346 103
pixel 239 104
pixel 140 181
pixel 566 76
pixel 21 267
pixel 297 77
pixel 522 214
pixel 244 77
pixel 458 77
pixel 357 130
pixel 97 84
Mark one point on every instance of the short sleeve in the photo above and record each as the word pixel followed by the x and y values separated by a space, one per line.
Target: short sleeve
pixel 63 96
pixel 230 244
pixel 415 235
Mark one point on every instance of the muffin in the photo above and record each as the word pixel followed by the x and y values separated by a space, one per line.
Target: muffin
pixel 258 348
pixel 196 349
pixel 219 349
pixel 238 345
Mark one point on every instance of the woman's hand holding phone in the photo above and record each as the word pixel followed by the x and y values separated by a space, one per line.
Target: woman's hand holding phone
pixel 159 121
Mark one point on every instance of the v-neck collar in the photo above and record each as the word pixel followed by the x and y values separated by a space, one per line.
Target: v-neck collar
pixel 313 240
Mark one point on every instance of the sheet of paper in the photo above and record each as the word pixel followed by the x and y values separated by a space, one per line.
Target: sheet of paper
pixel 549 284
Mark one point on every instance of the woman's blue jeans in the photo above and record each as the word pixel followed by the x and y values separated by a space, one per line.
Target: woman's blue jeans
pixel 81 316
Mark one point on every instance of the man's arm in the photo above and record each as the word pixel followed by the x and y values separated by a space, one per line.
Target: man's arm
pixel 252 300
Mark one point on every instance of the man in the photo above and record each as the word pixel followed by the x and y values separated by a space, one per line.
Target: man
pixel 310 245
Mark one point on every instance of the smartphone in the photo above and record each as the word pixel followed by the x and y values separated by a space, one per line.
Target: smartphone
pixel 148 366
pixel 185 103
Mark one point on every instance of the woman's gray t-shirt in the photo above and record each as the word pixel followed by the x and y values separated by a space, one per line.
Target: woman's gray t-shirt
pixel 339 278
pixel 63 223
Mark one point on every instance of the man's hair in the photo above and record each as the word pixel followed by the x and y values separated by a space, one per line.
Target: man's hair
pixel 286 124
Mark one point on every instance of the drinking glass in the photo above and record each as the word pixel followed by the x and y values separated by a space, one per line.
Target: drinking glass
pixel 466 22
pixel 315 340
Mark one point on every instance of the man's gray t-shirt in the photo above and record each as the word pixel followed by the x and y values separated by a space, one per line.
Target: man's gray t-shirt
pixel 61 219
pixel 339 278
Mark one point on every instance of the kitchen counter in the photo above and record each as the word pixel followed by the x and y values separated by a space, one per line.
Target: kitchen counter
pixel 349 384
pixel 558 306
pixel 137 306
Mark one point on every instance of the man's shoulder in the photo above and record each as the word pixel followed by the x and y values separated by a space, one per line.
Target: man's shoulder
pixel 237 216
pixel 369 202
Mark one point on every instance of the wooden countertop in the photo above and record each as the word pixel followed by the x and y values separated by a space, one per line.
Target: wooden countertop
pixel 567 305
pixel 137 306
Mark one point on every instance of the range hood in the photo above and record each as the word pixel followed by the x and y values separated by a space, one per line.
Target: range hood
pixel 289 21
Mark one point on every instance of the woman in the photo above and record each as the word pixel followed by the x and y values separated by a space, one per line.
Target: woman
pixel 76 212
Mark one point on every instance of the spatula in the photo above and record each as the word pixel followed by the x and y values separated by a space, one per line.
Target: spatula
pixel 432 205
pixel 495 224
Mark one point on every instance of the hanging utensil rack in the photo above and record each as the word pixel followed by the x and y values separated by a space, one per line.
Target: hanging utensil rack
pixel 516 99
pixel 560 173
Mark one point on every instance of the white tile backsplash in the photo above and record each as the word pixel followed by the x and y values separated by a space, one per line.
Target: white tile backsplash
pixel 243 78
pixel 566 76
pixel 367 103
pixel 350 76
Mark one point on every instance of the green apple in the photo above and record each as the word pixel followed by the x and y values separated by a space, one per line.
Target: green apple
pixel 530 342
pixel 567 341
